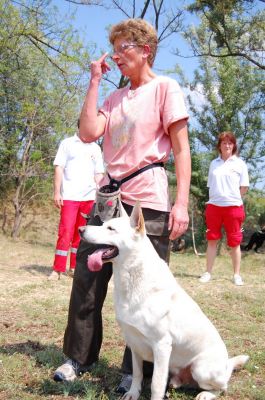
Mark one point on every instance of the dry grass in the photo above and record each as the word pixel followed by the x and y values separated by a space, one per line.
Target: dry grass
pixel 33 315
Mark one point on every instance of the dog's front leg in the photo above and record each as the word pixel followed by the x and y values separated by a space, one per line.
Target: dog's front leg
pixel 161 353
pixel 135 390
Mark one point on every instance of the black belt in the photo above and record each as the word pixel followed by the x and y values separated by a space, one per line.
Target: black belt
pixel 116 184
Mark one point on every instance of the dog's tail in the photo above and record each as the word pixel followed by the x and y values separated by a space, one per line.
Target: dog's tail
pixel 236 363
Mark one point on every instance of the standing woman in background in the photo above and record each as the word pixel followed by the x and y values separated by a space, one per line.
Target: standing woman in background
pixel 228 181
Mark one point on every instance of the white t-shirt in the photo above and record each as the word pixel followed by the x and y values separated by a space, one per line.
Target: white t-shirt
pixel 225 179
pixel 80 162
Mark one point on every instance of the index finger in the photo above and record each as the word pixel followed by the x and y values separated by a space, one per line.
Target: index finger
pixel 103 57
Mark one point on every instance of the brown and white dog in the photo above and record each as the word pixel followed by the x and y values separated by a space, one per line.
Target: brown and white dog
pixel 159 320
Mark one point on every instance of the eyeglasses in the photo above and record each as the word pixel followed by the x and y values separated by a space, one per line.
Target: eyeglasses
pixel 122 49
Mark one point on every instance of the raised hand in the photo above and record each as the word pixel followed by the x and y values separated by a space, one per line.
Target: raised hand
pixel 99 67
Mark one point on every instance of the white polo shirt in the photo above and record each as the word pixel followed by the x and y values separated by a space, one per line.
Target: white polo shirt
pixel 225 179
pixel 80 161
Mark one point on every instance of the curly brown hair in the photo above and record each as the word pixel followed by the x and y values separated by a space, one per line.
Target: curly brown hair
pixel 138 31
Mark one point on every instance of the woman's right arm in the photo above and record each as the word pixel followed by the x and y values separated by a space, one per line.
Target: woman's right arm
pixel 92 124
pixel 57 183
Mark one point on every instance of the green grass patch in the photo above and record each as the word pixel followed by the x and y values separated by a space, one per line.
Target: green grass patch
pixel 34 311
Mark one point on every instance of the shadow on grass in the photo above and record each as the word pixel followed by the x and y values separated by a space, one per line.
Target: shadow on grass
pixel 41 243
pixel 49 356
pixel 40 269
pixel 185 275
pixel 96 384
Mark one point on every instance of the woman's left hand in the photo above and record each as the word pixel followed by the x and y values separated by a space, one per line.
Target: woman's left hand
pixel 178 221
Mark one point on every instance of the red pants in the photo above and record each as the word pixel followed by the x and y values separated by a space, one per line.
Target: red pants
pixel 230 217
pixel 70 220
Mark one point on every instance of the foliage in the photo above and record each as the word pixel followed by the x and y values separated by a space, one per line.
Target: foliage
pixel 227 93
pixel 198 190
pixel 41 67
pixel 231 28
pixel 255 210
pixel 232 99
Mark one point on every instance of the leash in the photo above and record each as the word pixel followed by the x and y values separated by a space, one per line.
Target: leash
pixel 117 184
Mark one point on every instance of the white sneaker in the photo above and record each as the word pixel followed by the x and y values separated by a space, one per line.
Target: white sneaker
pixel 69 371
pixel 54 276
pixel 238 281
pixel 206 277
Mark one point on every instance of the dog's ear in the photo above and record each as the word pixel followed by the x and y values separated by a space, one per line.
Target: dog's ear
pixel 137 219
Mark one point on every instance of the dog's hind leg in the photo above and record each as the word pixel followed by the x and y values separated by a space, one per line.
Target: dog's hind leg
pixel 135 390
pixel 211 377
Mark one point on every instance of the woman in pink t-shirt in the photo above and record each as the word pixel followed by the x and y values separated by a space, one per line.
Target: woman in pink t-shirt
pixel 141 123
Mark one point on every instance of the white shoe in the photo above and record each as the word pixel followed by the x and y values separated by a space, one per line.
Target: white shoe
pixel 238 281
pixel 54 276
pixel 206 277
pixel 69 371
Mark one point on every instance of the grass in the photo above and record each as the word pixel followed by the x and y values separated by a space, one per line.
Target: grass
pixel 33 314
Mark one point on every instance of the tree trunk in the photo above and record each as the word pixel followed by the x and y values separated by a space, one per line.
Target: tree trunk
pixel 17 203
pixel 4 221
pixel 17 223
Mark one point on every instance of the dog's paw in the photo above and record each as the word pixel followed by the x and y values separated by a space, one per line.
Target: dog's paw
pixel 205 396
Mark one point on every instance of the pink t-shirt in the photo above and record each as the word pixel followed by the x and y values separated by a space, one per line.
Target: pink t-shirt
pixel 136 134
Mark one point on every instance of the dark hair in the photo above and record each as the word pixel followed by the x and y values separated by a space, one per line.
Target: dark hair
pixel 227 136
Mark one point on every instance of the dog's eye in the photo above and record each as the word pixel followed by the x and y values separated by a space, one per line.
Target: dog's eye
pixel 110 228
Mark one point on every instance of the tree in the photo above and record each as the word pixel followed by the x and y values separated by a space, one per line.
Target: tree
pixel 233 93
pixel 231 98
pixel 229 28
pixel 39 85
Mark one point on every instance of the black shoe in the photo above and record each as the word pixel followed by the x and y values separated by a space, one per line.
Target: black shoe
pixel 125 384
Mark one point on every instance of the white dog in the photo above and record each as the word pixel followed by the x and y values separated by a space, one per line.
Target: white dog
pixel 159 320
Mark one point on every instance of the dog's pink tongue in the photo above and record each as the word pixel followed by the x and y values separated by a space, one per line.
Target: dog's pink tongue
pixel 94 261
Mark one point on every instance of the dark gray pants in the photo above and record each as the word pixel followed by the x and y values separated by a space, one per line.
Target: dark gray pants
pixel 84 331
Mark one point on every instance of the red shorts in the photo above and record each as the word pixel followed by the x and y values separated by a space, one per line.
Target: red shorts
pixel 230 217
